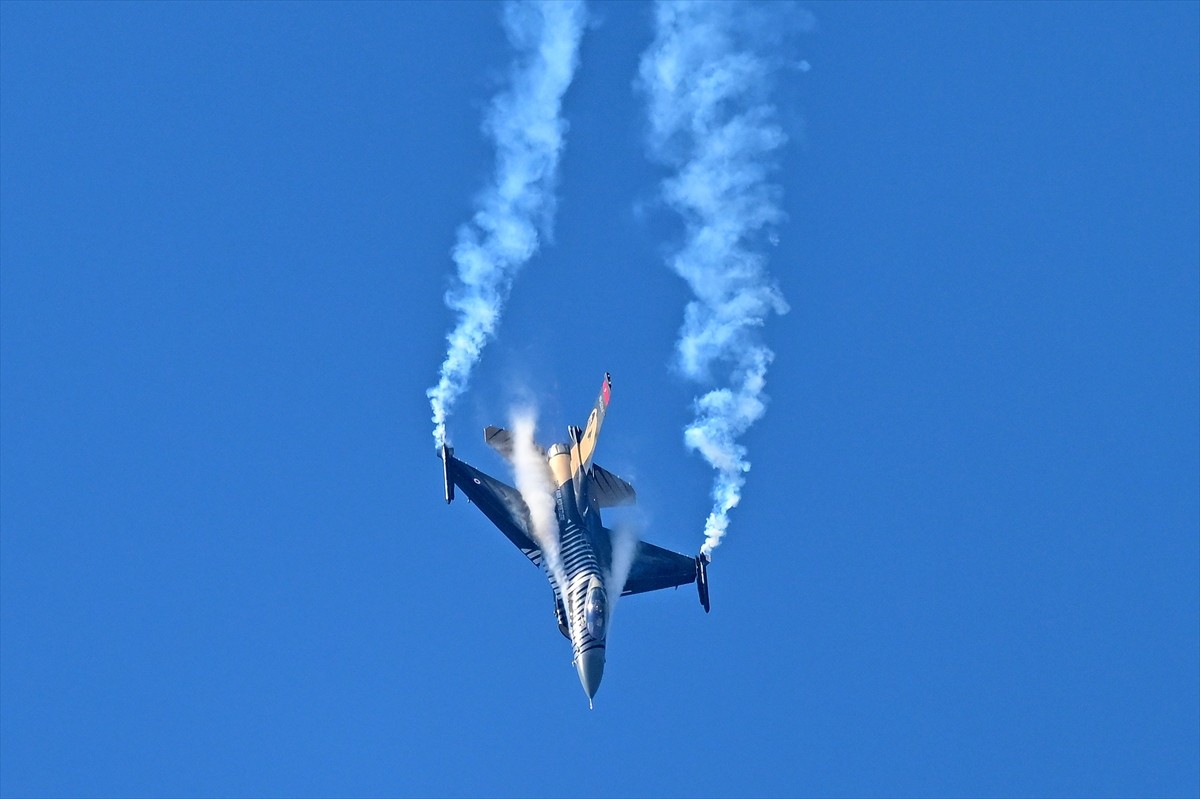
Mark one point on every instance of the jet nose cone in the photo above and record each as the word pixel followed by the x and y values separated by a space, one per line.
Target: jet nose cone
pixel 591 668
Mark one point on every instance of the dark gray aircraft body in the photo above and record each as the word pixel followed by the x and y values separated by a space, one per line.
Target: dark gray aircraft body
pixel 579 562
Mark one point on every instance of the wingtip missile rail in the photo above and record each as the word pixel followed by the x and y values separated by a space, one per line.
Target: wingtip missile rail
pixel 702 580
pixel 445 454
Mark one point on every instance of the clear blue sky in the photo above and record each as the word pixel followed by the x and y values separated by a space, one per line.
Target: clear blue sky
pixel 968 558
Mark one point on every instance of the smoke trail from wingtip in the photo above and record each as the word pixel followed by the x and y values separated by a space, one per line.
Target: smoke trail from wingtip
pixel 707 78
pixel 722 415
pixel 528 131
pixel 532 480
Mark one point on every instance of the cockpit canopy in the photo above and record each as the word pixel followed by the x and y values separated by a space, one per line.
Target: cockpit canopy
pixel 596 611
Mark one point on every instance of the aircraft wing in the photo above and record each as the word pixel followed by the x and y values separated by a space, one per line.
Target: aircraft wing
pixel 654 568
pixel 503 506
pixel 500 502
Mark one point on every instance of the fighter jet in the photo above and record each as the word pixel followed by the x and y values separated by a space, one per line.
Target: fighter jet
pixel 584 559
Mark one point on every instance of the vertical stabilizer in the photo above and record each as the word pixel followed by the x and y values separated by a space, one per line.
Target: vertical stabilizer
pixel 583 445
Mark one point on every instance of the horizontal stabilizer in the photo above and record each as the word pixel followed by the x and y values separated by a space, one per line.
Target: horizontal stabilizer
pixel 500 440
pixel 609 490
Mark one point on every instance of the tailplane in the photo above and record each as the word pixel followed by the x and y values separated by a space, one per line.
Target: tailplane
pixel 608 490
pixel 500 440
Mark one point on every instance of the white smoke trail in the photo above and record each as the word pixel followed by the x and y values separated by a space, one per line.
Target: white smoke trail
pixel 624 549
pixel 526 126
pixel 532 477
pixel 707 77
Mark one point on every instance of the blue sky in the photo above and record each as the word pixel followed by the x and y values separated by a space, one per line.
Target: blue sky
pixel 967 561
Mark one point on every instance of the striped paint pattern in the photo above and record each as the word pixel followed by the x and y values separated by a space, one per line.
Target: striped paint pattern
pixel 582 569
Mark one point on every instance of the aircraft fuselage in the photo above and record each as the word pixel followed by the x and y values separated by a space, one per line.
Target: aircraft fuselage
pixel 584 564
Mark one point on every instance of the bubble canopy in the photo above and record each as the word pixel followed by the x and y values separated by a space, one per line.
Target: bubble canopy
pixel 595 611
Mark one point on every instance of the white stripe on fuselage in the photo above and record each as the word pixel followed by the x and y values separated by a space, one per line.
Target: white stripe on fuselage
pixel 581 566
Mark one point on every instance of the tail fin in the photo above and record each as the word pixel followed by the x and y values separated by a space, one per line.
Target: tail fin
pixel 583 445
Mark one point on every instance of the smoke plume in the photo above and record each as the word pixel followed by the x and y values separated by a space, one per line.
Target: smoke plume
pixel 707 78
pixel 532 478
pixel 525 124
pixel 624 549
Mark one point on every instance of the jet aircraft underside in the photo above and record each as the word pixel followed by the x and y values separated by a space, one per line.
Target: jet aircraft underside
pixel 585 546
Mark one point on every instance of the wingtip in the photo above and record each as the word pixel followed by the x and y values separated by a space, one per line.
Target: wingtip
pixel 447 455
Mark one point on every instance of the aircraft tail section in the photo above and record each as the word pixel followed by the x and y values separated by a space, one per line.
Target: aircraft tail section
pixel 500 440
pixel 583 443
pixel 608 490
